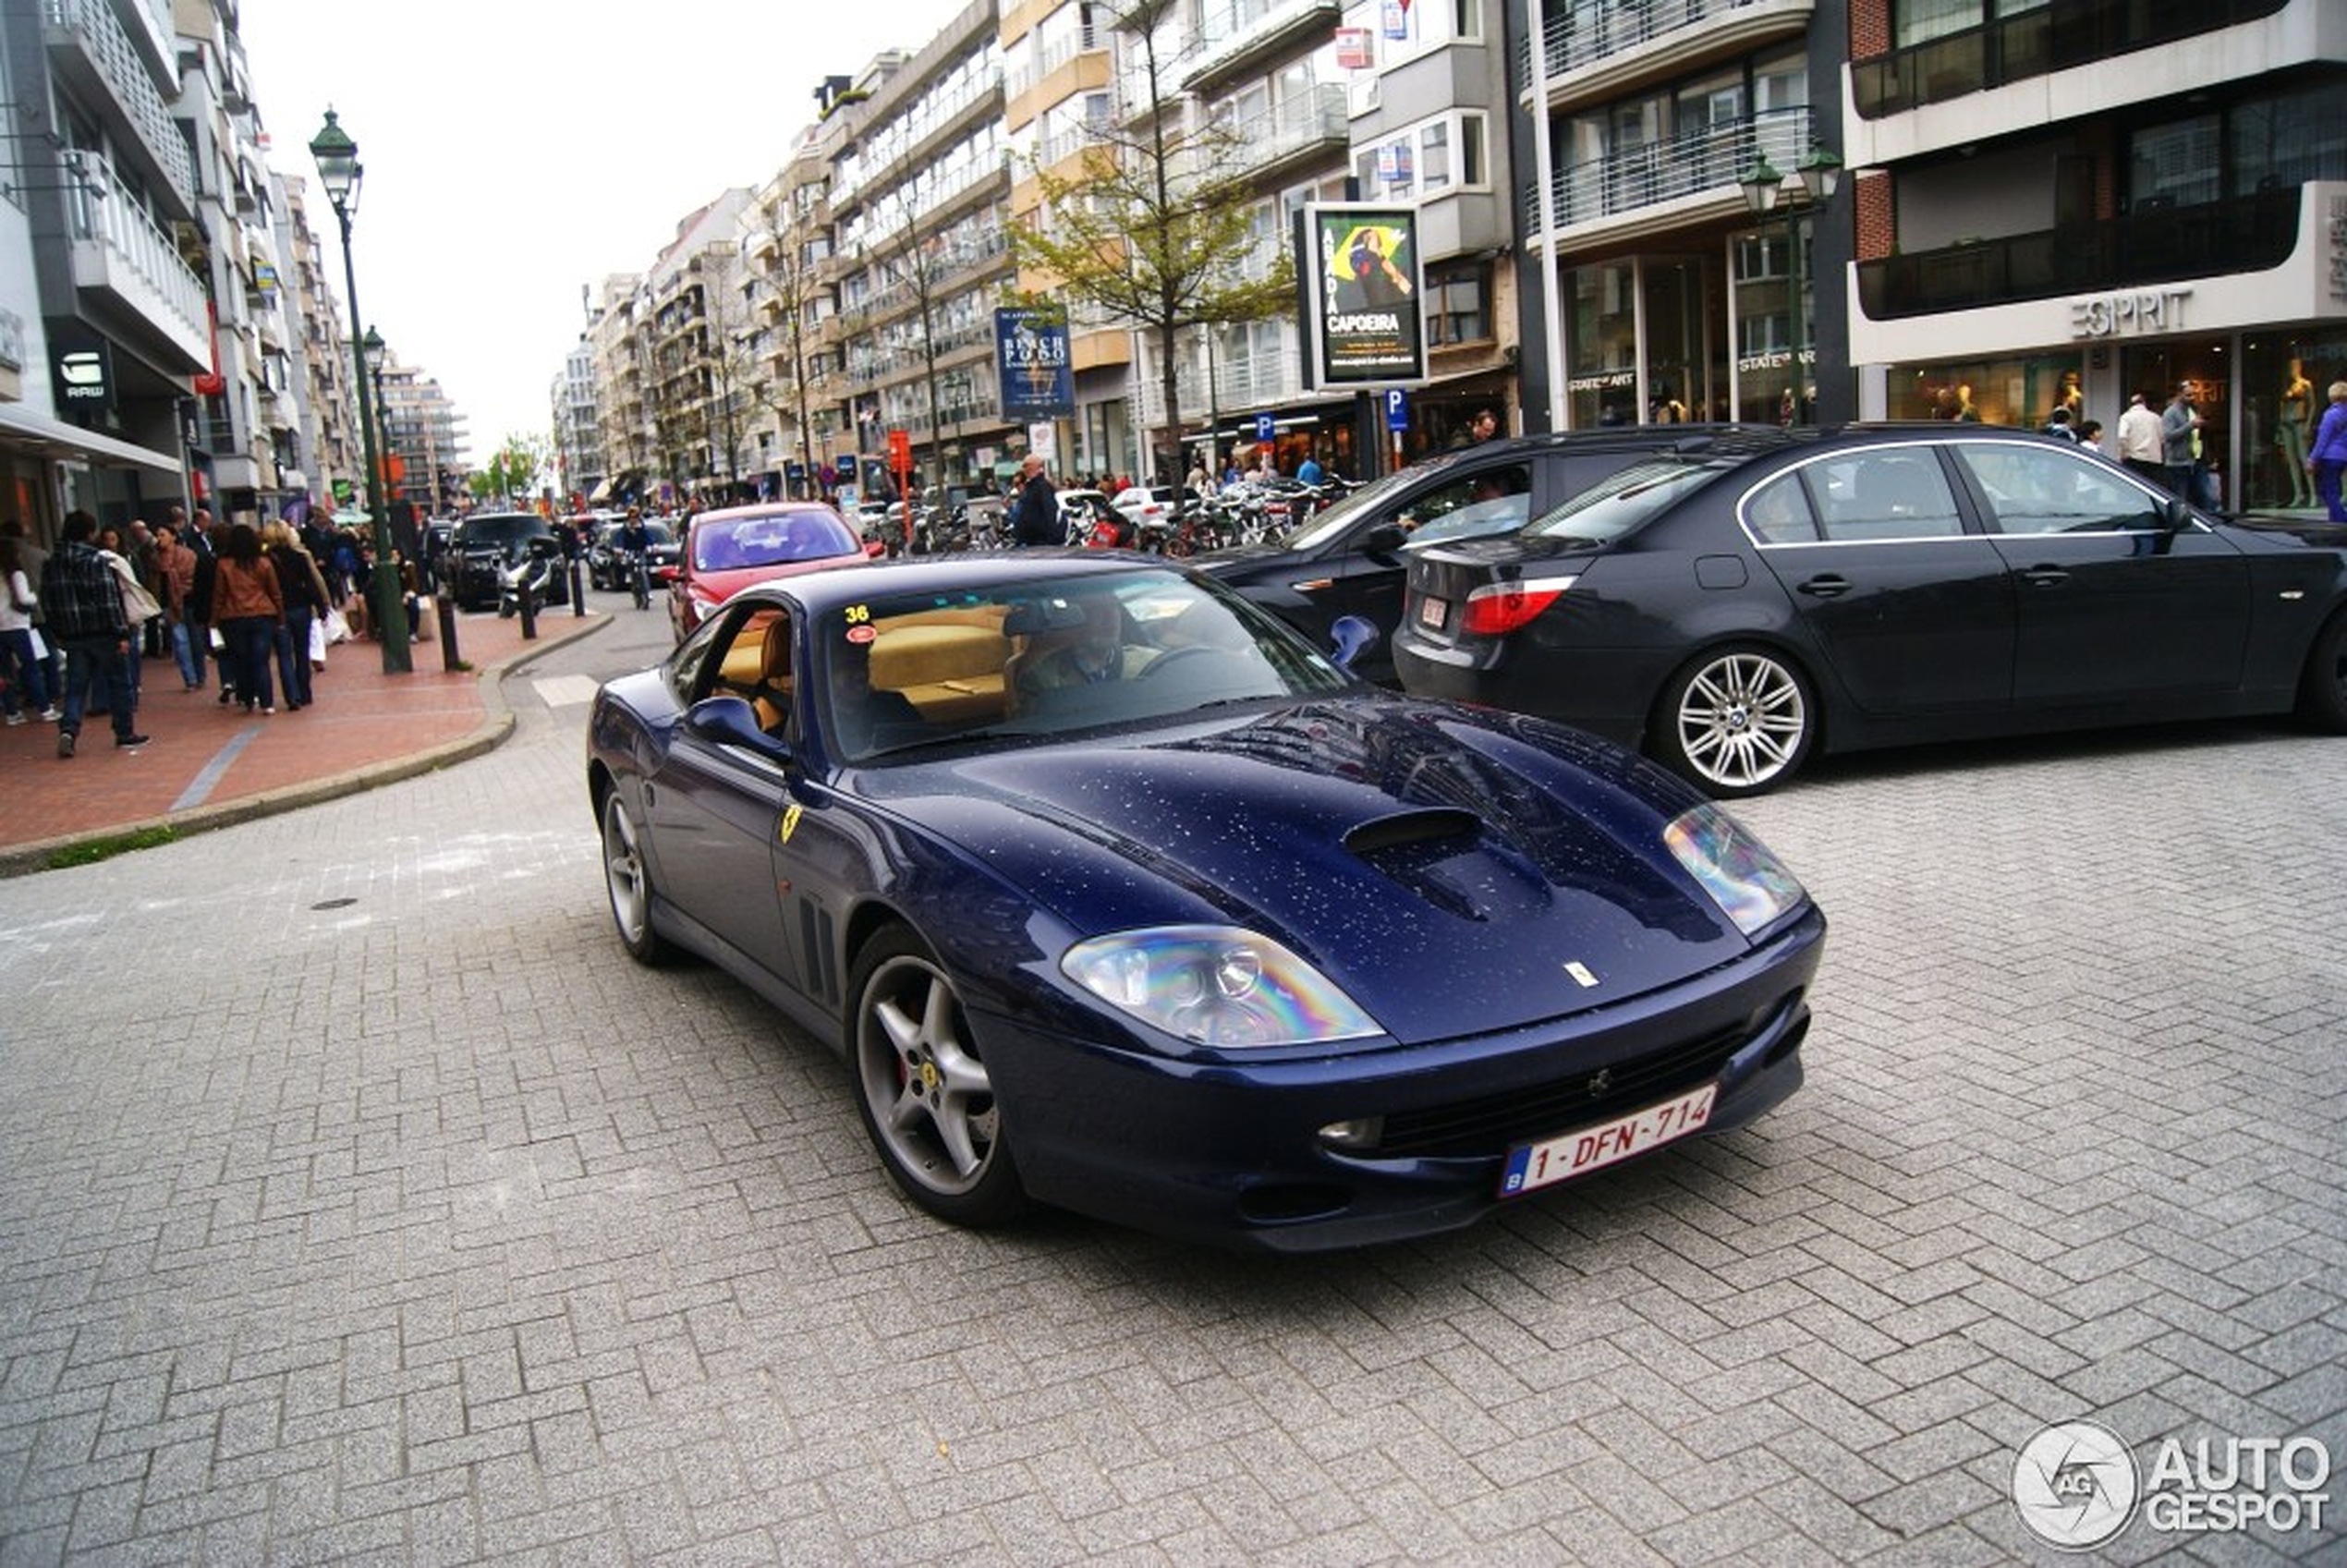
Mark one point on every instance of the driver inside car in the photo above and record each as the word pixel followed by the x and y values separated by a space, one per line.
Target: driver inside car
pixel 1088 654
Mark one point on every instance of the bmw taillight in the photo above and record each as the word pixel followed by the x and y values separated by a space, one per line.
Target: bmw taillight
pixel 1496 609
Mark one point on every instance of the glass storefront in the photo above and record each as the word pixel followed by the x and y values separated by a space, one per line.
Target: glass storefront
pixel 1671 302
pixel 2286 379
pixel 2260 396
pixel 2022 391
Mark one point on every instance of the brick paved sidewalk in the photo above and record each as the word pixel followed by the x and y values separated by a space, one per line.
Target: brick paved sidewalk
pixel 207 765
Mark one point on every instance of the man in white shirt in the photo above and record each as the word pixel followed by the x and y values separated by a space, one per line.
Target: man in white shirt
pixel 2139 444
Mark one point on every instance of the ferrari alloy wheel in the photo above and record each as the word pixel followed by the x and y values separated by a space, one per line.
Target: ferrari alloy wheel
pixel 630 883
pixel 923 1093
pixel 1738 721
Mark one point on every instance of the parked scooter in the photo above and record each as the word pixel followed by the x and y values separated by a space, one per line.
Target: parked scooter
pixel 538 573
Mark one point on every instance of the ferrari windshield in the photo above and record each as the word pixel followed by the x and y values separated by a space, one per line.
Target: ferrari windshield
pixel 1059 652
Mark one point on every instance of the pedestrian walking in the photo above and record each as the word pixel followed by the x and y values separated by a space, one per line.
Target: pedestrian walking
pixel 303 590
pixel 2328 455
pixel 2139 440
pixel 24 660
pixel 82 599
pixel 1035 521
pixel 2179 442
pixel 176 571
pixel 247 606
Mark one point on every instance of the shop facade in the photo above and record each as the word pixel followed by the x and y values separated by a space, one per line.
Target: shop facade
pixel 2261 347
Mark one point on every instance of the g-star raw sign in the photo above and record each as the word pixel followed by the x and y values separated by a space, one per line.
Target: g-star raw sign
pixel 1363 287
pixel 1031 353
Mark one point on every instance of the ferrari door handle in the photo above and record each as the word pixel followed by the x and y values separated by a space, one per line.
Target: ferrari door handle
pixel 1829 586
pixel 2045 577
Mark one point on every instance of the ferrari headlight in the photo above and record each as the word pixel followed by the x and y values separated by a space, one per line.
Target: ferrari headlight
pixel 1216 985
pixel 1750 886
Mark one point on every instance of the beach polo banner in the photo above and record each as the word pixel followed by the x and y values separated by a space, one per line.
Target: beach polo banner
pixel 1030 350
pixel 1363 289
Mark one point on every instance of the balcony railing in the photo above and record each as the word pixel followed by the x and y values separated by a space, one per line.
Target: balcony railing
pixel 1581 34
pixel 1712 159
pixel 2056 37
pixel 1300 125
pixel 113 60
pixel 117 248
pixel 2151 245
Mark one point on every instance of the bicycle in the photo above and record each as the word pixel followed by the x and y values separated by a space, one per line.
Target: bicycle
pixel 640 580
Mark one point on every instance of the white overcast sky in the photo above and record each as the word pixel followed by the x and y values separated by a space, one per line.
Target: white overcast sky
pixel 514 152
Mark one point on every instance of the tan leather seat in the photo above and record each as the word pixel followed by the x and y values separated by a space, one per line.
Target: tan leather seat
pixel 772 699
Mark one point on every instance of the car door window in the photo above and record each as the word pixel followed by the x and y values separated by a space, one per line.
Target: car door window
pixel 1778 513
pixel 1488 500
pixel 2037 489
pixel 1882 495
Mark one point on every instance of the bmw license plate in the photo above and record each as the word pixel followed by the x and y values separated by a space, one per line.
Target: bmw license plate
pixel 1431 611
pixel 1534 1165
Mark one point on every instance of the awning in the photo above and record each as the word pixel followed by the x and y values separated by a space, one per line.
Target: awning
pixel 601 494
pixel 23 430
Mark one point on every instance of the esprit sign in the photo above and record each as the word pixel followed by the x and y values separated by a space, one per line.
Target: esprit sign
pixel 2128 311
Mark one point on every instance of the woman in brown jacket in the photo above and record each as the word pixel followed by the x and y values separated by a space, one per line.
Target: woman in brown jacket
pixel 247 605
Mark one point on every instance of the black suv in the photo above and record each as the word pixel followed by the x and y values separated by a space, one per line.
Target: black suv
pixel 487 540
pixel 1353 559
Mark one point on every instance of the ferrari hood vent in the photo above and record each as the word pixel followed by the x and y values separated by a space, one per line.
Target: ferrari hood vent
pixel 1410 828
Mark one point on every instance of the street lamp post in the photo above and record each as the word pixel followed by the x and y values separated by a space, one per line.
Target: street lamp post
pixel 339 172
pixel 1813 179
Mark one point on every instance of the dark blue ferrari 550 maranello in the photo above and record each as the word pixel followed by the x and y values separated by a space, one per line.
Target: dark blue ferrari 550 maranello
pixel 1116 895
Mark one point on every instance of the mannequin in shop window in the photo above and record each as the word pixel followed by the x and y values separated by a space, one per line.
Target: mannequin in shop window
pixel 2290 435
pixel 2071 399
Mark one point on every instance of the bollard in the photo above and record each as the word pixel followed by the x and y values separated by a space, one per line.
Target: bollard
pixel 578 593
pixel 445 607
pixel 529 597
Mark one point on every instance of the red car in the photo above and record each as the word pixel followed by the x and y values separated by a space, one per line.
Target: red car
pixel 726 550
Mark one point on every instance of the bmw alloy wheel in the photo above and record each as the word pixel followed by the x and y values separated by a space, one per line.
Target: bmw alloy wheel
pixel 1740 722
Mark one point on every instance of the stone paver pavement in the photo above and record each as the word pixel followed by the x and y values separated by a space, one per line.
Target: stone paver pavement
pixel 358 1200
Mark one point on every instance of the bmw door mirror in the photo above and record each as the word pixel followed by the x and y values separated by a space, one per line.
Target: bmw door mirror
pixel 2174 515
pixel 1383 542
pixel 731 721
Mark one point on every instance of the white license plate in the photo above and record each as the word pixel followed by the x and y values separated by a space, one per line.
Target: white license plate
pixel 1591 1149
pixel 1431 611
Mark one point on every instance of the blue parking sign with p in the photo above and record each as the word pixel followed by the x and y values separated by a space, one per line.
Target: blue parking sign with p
pixel 1397 409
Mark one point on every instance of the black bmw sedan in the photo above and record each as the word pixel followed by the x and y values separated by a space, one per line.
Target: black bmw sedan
pixel 1352 558
pixel 1733 613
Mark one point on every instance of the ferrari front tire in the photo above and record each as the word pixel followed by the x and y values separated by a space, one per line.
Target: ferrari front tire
pixel 922 1090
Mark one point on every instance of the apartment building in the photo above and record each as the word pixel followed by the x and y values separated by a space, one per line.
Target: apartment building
pixel 1426 93
pixel 1647 277
pixel 421 438
pixel 243 426
pixel 102 317
pixel 332 459
pixel 580 469
pixel 622 419
pixel 1264 76
pixel 1058 89
pixel 2115 197
pixel 918 201
pixel 797 401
